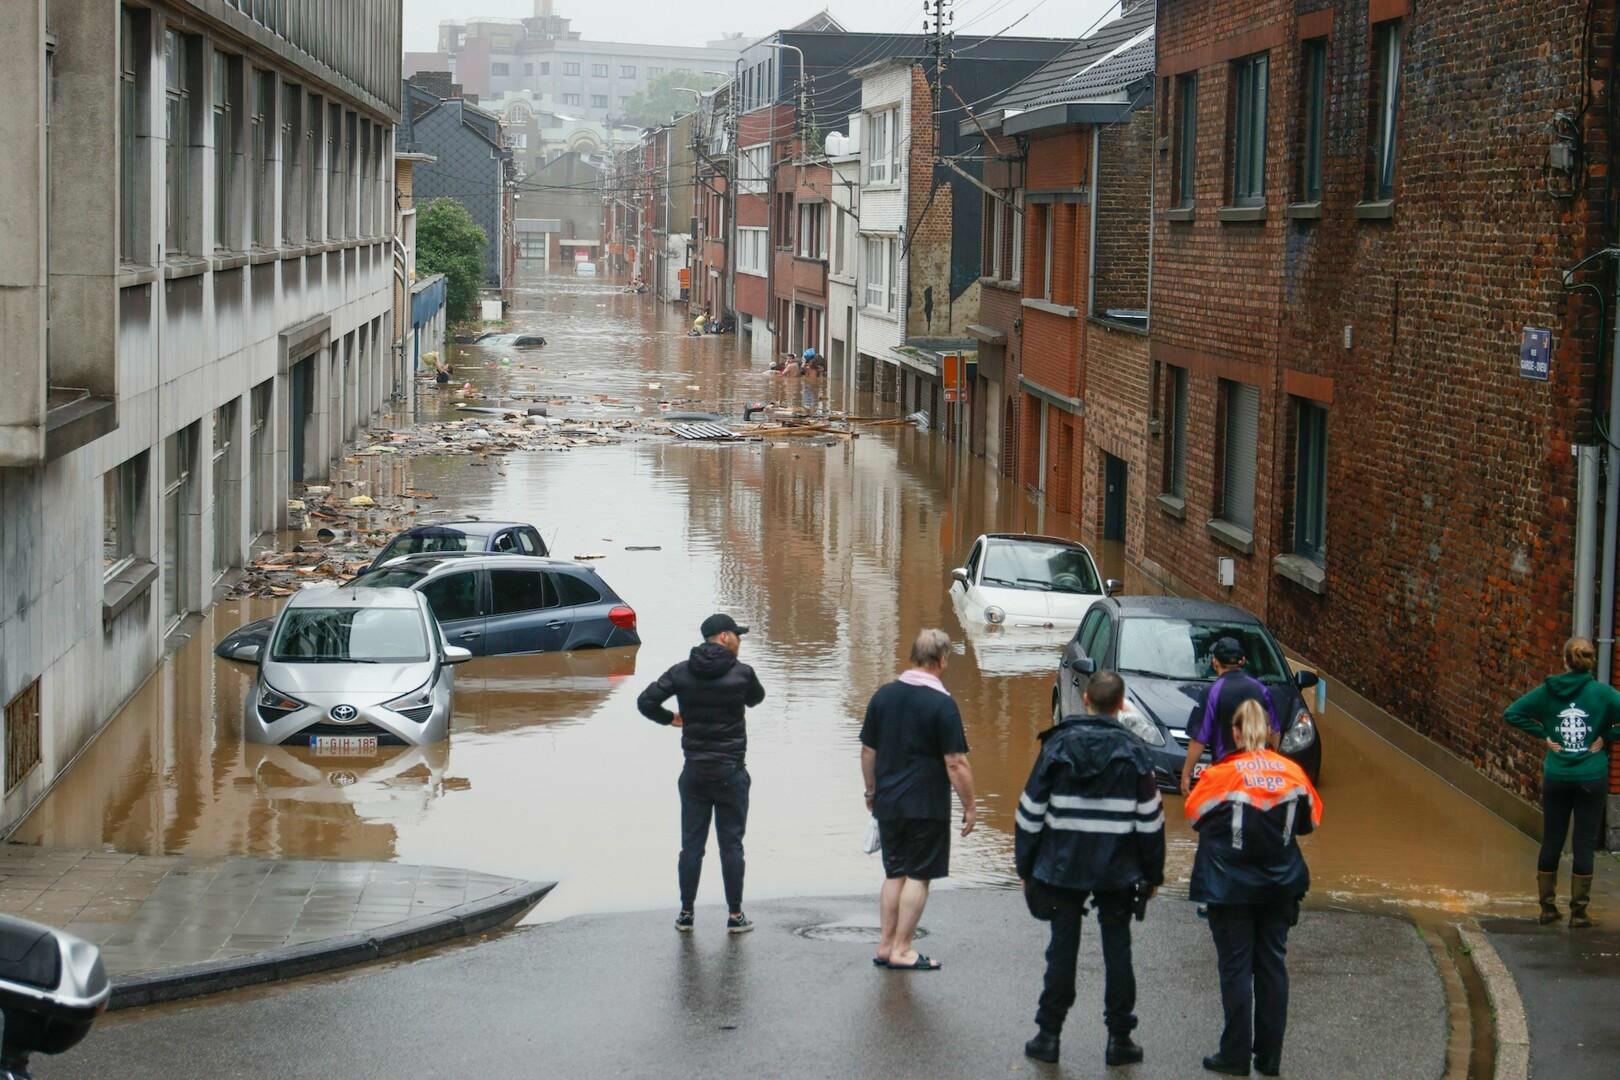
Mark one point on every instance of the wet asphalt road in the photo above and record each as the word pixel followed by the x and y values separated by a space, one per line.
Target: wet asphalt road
pixel 1568 981
pixel 625 996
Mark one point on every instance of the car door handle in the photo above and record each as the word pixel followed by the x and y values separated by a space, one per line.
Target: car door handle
pixel 555 625
pixel 467 634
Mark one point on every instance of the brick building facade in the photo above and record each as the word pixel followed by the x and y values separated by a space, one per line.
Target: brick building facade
pixel 1361 205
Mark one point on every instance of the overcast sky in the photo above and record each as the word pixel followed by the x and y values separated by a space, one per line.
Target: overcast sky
pixel 695 21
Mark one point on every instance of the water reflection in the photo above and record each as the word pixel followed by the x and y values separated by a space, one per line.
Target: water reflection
pixel 835 554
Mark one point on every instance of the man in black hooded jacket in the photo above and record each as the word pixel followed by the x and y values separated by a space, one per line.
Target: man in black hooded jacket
pixel 712 689
pixel 1090 824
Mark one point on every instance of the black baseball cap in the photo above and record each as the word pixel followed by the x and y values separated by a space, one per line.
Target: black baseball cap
pixel 1227 651
pixel 721 624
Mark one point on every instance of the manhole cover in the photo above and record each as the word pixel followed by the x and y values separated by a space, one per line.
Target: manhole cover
pixel 847 932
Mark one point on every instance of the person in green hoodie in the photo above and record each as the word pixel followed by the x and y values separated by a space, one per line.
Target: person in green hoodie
pixel 1576 716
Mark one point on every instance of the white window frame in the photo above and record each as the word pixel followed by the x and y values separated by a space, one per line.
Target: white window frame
pixel 874 289
pixel 753 165
pixel 812 231
pixel 753 250
pixel 882 159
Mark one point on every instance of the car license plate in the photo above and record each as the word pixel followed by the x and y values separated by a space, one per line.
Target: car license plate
pixel 1198 769
pixel 343 745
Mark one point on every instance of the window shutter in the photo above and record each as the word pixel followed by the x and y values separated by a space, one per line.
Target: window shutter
pixel 1242 435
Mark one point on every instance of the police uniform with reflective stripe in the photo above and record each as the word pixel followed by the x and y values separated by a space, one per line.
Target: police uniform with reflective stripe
pixel 1090 824
pixel 1249 811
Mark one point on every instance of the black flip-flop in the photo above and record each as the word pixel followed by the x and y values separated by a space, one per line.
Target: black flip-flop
pixel 922 964
pixel 878 961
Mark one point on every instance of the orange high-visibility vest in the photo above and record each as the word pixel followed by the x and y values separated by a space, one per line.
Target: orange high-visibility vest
pixel 1258 778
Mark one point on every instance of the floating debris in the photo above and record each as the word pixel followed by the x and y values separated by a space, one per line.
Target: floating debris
pixel 703 431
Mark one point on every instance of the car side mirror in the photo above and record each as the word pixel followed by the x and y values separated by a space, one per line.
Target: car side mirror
pixel 1112 586
pixel 1305 679
pixel 248 654
pixel 1085 665
pixel 52 988
pixel 455 654
pixel 960 574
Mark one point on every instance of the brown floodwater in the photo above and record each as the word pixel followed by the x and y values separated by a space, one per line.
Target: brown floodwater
pixel 835 553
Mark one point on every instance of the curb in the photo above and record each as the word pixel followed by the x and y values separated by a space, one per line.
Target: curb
pixel 328 954
pixel 1512 1029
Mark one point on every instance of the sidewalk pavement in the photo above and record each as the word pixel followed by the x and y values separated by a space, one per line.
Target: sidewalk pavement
pixel 173 926
pixel 626 996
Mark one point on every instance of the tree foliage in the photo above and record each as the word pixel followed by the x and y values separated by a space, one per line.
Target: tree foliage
pixel 661 101
pixel 450 242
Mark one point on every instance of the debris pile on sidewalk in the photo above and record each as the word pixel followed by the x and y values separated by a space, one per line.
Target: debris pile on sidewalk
pixel 333 538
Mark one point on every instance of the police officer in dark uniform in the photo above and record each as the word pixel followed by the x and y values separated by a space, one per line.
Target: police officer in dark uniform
pixel 1090 825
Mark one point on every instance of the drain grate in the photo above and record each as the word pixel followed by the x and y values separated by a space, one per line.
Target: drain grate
pixel 847 932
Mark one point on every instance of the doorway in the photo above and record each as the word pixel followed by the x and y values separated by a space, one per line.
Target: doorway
pixel 301 406
pixel 1114 476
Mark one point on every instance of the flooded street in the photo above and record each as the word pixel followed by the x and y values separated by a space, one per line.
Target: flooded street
pixel 834 555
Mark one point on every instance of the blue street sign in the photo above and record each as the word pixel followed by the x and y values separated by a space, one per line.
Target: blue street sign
pixel 1535 354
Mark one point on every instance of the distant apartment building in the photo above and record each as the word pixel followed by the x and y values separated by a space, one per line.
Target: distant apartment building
pixel 844 166
pixel 197 302
pixel 592 80
pixel 472 164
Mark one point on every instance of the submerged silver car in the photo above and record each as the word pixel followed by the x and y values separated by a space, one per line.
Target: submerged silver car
pixel 348 670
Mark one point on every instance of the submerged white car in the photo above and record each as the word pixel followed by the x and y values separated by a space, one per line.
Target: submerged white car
pixel 1015 580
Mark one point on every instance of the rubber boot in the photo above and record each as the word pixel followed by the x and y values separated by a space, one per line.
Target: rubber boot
pixel 1580 894
pixel 1547 886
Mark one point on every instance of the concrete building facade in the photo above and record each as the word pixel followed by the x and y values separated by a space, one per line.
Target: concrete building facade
pixel 843 336
pixel 196 299
pixel 592 80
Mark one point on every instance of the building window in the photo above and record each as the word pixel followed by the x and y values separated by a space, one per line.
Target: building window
pixel 178 457
pixel 226 501
pixel 894 275
pixel 1045 234
pixel 876 257
pixel 292 101
pixel 1310 483
pixel 570 99
pixel 753 250
pixel 528 69
pixel 627 71
pixel 22 735
pixel 176 166
pixel 123 491
pixel 313 214
pixel 1313 94
pixel 1241 405
pixel 752 168
pixel 545 67
pixel 223 145
pixel 264 181
pixel 1186 139
pixel 132 74
pixel 570 69
pixel 599 101
pixel 881 166
pixel 599 71
pixel 1175 457
pixel 1249 131
pixel 500 70
pixel 334 171
pixel 1386 80
pixel 838 240
pixel 812 218
pixel 654 72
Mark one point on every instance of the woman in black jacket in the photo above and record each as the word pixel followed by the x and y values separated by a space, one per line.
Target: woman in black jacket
pixel 1248 810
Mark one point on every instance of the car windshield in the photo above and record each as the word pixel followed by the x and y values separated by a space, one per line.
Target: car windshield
pixel 430 540
pixel 392 576
pixel 1018 564
pixel 350 635
pixel 1169 648
pixel 1180 648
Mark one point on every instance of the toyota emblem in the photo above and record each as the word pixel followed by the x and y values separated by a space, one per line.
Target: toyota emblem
pixel 344 713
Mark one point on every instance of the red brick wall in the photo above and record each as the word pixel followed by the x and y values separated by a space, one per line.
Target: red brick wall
pixel 1124 190
pixel 1450 481
pixel 1116 395
pixel 928 223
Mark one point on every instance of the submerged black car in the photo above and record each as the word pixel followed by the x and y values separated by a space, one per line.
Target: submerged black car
pixel 1161 646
